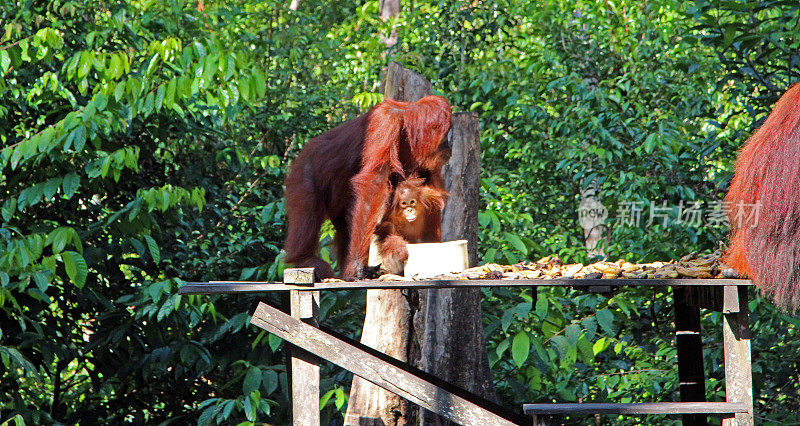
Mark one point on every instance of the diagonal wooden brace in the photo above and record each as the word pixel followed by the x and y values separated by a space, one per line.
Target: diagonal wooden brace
pixel 394 376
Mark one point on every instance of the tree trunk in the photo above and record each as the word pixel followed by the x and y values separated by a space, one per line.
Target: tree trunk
pixel 453 344
pixel 388 323
pixel 462 177
pixel 386 328
pixel 388 9
pixel 592 216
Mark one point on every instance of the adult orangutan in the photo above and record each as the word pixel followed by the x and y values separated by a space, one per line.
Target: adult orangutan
pixel 346 175
pixel 764 205
pixel 415 216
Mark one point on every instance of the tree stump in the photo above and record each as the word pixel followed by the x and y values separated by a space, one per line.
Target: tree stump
pixel 453 344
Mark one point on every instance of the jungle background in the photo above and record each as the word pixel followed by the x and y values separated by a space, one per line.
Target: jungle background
pixel 144 144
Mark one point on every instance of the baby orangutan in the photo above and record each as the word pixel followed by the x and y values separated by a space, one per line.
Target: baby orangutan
pixel 415 216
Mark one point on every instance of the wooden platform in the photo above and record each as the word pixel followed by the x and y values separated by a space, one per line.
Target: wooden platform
pixel 301 328
pixel 230 287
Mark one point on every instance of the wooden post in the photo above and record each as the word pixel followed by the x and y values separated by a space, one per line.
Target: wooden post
pixel 689 345
pixel 736 343
pixel 304 366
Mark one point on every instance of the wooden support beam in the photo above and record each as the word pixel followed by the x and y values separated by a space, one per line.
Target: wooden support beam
pixel 400 378
pixel 304 366
pixel 689 345
pixel 229 287
pixel 738 368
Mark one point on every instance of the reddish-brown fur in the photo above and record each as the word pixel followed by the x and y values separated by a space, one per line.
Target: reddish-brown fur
pixel 768 173
pixel 421 203
pixel 344 175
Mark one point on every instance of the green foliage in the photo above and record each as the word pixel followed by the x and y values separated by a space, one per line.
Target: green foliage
pixel 144 144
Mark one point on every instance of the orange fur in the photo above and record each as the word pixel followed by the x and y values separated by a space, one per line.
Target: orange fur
pixel 344 175
pixel 426 203
pixel 768 174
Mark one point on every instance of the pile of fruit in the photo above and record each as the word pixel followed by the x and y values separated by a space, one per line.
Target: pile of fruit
pixel 551 267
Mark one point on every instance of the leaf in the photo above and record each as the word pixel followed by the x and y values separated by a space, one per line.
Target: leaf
pixel 274 342
pixel 606 320
pixel 208 415
pixel 137 246
pixel 252 380
pixel 31 146
pixel 9 207
pixel 325 398
pixel 46 139
pixel 503 346
pixel 155 253
pixel 225 412
pixel 599 345
pixel 201 50
pixel 540 351
pixel 520 348
pixel 148 104
pixel 100 101
pixel 585 349
pixel 495 222
pixel 77 137
pixel 247 273
pixel 506 319
pixel 17 155
pixel 170 96
pixel 85 63
pixel 76 267
pixel 23 45
pixel 522 310
pixel 483 219
pixel 339 398
pixel 561 344
pixel 249 410
pixel 649 142
pixel 51 187
pixel 88 112
pixel 541 306
pixel 244 88
pixel 5 61
pixel 160 93
pixel 261 83
pixel 40 277
pixel 115 68
pixel 119 90
pixel 270 381
pixel 70 184
pixel 573 333
pixel 59 238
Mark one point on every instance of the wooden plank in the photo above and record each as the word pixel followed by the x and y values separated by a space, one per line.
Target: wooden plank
pixel 738 369
pixel 224 287
pixel 637 408
pixel 304 366
pixel 730 299
pixel 299 276
pixel 394 376
pixel 689 347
